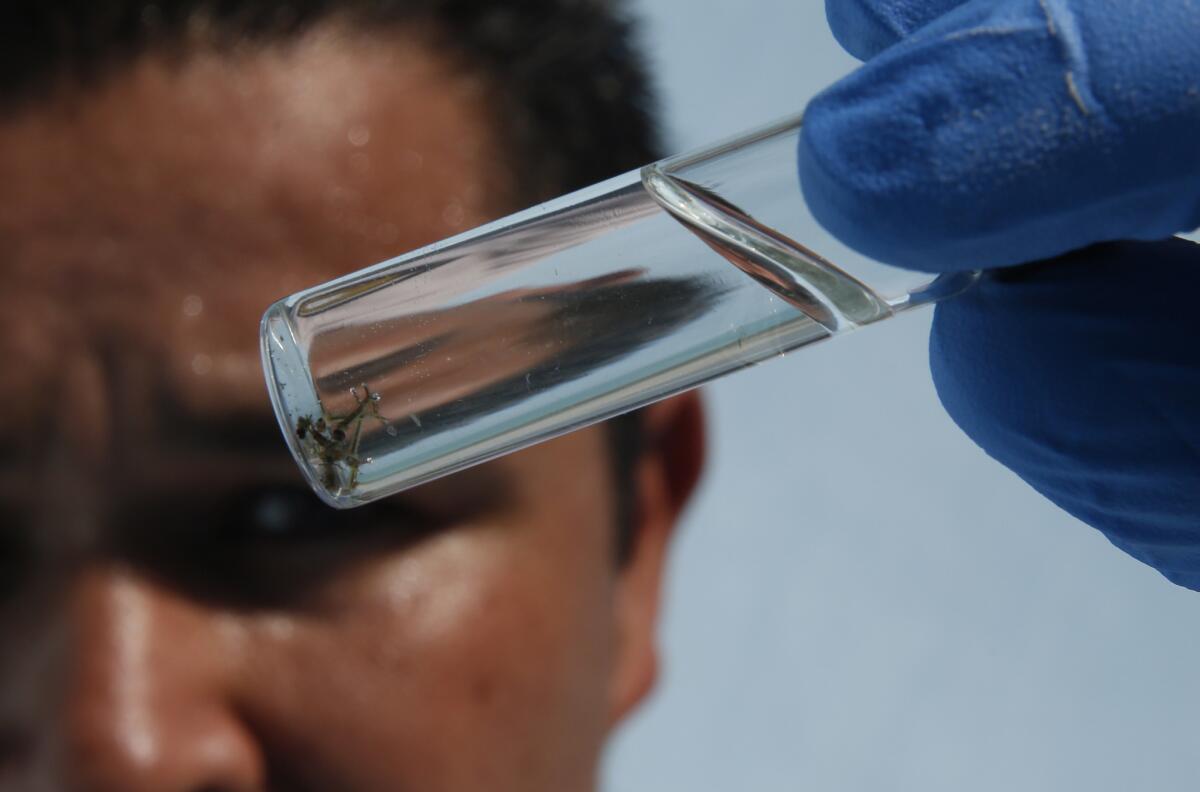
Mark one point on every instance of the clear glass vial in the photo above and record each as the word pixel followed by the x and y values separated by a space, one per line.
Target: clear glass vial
pixel 565 314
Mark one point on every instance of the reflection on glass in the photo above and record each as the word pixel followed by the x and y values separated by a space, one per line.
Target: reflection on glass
pixel 569 313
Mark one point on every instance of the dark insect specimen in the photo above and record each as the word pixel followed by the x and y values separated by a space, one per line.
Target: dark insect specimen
pixel 332 440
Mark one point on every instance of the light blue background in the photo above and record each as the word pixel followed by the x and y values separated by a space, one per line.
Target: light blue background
pixel 860 599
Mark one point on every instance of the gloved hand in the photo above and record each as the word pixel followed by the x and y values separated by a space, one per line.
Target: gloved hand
pixel 988 133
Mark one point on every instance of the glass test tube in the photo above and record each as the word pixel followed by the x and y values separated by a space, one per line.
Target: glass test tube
pixel 568 313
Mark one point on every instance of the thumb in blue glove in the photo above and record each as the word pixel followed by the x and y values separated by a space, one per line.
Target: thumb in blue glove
pixel 1004 132
pixel 985 134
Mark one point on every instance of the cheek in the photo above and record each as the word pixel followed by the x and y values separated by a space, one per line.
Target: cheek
pixel 481 655
pixel 497 626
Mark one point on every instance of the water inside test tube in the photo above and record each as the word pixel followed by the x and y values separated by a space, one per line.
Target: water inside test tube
pixel 462 355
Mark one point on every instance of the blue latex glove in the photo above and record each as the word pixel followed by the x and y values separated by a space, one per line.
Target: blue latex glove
pixel 988 133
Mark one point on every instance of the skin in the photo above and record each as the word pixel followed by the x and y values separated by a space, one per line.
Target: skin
pixel 159 630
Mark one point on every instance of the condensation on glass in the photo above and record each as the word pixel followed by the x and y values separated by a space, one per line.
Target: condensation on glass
pixel 569 313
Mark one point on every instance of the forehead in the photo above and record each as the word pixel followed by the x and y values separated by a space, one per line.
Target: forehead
pixel 153 216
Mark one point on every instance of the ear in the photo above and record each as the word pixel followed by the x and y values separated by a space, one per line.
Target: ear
pixel 665 476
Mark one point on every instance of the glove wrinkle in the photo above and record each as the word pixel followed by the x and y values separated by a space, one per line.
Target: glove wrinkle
pixel 1062 26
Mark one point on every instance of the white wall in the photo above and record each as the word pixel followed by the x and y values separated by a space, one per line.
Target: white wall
pixel 860 599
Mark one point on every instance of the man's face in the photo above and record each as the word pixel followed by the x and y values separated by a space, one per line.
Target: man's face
pixel 176 613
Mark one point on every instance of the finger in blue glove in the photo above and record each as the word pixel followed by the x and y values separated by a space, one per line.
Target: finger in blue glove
pixel 1007 131
pixel 864 28
pixel 1080 374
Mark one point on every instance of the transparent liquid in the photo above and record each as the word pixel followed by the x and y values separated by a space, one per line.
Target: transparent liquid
pixel 418 367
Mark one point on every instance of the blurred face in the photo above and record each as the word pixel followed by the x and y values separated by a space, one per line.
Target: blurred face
pixel 176 611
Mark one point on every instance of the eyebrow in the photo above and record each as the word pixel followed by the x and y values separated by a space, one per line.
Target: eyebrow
pixel 255 433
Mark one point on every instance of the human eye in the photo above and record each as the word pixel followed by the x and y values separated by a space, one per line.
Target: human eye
pixel 292 514
pixel 269 544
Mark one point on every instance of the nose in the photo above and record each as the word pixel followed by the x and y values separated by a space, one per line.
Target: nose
pixel 147 700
